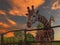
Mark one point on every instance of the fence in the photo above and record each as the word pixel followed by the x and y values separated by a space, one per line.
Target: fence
pixel 25 42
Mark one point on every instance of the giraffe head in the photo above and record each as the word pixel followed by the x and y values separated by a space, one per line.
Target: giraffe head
pixel 31 16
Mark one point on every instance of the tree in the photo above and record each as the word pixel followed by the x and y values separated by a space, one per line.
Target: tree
pixel 19 35
pixel 30 38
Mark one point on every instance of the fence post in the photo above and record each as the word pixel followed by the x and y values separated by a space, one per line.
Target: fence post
pixel 2 41
pixel 25 37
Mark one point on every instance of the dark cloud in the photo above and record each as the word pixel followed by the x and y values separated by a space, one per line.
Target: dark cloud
pixel 5 5
pixel 45 9
pixel 18 19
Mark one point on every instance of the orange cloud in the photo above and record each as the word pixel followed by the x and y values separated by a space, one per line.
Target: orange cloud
pixel 10 34
pixel 2 12
pixel 12 22
pixel 4 25
pixel 19 7
pixel 3 31
pixel 55 5
pixel 4 28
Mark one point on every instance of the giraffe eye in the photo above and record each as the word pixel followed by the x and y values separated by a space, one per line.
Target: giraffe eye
pixel 34 16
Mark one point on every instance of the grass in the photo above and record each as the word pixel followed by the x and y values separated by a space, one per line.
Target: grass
pixel 56 43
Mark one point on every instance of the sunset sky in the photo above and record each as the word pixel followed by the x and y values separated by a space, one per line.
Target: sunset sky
pixel 12 13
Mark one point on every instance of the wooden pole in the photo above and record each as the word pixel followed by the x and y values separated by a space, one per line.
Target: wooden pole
pixel 2 41
pixel 25 37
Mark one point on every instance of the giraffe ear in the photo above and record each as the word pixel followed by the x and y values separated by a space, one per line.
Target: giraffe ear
pixel 52 19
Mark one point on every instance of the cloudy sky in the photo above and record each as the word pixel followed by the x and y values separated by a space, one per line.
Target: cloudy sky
pixel 12 13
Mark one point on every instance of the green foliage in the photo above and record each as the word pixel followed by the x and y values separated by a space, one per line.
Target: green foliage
pixel 56 43
pixel 10 39
pixel 40 25
pixel 19 35
pixel 30 37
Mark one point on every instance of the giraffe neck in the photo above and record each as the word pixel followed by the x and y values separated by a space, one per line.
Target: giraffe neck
pixel 43 20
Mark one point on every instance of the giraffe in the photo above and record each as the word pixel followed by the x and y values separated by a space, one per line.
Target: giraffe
pixel 47 34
